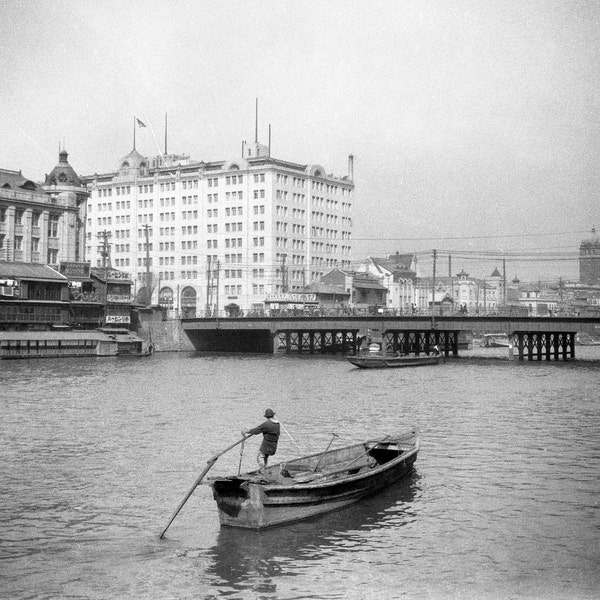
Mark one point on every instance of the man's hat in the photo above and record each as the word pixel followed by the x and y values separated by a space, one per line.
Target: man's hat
pixel 269 413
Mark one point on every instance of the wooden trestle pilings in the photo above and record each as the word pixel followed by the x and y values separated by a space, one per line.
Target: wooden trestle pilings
pixel 544 345
pixel 537 345
pixel 323 342
pixel 331 342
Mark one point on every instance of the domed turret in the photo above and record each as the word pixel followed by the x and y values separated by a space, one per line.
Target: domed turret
pixel 592 241
pixel 63 174
pixel 133 164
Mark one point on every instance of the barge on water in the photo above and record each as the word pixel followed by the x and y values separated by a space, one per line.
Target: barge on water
pixel 66 343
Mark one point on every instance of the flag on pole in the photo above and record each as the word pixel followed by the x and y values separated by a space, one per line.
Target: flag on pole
pixel 140 123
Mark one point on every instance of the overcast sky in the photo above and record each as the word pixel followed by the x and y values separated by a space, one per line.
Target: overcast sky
pixel 474 125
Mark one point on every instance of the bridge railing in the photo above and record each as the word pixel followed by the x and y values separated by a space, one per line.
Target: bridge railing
pixel 364 312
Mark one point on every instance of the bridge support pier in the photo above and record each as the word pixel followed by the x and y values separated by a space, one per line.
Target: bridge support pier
pixel 417 342
pixel 545 345
pixel 321 341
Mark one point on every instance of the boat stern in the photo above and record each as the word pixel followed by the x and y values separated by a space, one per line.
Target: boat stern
pixel 239 502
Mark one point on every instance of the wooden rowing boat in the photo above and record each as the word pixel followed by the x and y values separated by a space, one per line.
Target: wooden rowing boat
pixel 383 361
pixel 315 484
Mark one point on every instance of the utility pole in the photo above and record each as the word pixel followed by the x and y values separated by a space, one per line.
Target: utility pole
pixel 212 286
pixel 451 278
pixel 217 293
pixel 284 282
pixel 104 249
pixel 148 280
pixel 433 284
pixel 208 286
pixel 504 280
pixel 484 298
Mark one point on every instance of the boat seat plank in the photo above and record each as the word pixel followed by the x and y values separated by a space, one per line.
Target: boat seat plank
pixel 346 467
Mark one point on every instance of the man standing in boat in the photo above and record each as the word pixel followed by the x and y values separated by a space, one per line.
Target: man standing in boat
pixel 270 430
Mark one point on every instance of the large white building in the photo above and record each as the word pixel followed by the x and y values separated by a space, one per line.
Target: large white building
pixel 198 236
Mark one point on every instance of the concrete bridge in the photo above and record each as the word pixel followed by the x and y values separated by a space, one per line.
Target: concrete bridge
pixel 533 338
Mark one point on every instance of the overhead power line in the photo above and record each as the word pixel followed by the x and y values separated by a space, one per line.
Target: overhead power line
pixel 466 237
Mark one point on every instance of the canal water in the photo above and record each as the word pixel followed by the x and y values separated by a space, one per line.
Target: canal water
pixel 96 455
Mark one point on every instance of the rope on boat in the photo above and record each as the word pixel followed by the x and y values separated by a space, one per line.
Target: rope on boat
pixel 291 438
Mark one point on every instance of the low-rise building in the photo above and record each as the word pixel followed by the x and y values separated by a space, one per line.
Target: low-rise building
pixel 33 297
pixel 366 292
pixel 397 273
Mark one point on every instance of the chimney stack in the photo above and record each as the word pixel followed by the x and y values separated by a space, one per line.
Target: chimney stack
pixel 351 167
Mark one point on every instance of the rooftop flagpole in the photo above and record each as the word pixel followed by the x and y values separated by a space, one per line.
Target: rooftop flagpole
pixel 256 123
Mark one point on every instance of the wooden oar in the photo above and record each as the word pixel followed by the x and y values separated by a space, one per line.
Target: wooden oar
pixel 209 465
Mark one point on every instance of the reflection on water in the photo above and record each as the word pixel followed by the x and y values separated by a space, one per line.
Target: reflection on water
pixel 241 555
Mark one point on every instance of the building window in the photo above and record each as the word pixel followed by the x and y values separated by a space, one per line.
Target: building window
pixel 53 227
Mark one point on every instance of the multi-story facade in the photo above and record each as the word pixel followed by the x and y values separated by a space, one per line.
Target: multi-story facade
pixel 468 294
pixel 42 224
pixel 198 236
pixel 397 273
pixel 589 260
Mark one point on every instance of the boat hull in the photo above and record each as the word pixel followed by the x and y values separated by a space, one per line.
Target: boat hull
pixel 254 505
pixel 391 362
pixel 499 340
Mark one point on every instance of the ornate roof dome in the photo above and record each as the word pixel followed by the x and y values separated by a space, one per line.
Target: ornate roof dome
pixel 63 173
pixel 133 163
pixel 134 159
pixel 592 241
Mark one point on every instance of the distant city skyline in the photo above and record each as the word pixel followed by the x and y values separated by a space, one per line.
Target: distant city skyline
pixel 473 125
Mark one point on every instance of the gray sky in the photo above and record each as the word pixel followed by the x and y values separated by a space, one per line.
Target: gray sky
pixel 474 125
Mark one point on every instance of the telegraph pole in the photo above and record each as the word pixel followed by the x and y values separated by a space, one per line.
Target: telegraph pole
pixel 105 254
pixel 217 292
pixel 148 273
pixel 284 282
pixel 104 249
pixel 504 279
pixel 433 284
pixel 208 286
pixel 451 278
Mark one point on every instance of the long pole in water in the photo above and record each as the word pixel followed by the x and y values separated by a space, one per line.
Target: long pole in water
pixel 209 465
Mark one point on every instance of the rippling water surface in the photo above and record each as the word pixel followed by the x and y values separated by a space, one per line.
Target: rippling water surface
pixel 96 454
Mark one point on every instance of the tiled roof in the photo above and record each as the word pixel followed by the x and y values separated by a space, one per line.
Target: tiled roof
pixel 324 288
pixel 367 284
pixel 29 271
pixel 395 262
pixel 14 180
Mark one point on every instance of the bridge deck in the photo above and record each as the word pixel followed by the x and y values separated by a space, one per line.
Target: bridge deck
pixel 410 323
